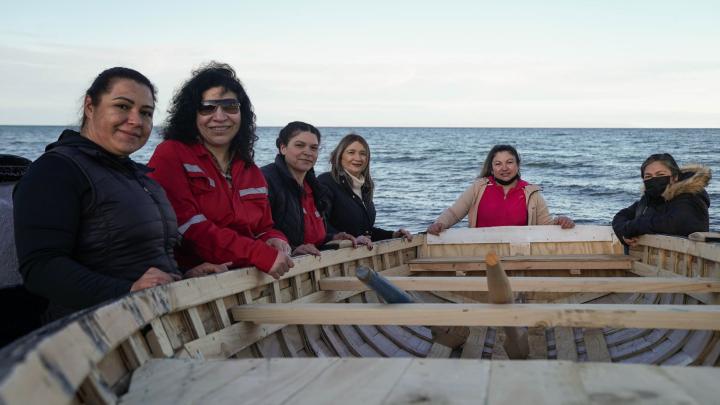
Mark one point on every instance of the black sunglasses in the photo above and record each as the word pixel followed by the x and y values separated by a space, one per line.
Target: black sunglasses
pixel 228 105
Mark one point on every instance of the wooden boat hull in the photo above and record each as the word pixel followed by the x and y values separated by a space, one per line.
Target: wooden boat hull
pixel 580 299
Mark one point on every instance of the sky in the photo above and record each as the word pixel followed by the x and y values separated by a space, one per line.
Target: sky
pixel 609 63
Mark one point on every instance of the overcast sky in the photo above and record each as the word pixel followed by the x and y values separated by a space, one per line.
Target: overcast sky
pixel 382 63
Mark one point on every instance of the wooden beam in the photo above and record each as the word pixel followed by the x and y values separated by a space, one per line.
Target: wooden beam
pixel 538 284
pixel 522 234
pixel 545 262
pixel 708 251
pixel 696 317
pixel 651 272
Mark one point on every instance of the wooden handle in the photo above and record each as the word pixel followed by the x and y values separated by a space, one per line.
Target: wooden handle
pixel 499 291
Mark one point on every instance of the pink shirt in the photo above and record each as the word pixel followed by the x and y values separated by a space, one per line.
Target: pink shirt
pixel 498 209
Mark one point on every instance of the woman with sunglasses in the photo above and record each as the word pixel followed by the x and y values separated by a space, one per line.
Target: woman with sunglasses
pixel 499 197
pixel 89 224
pixel 351 191
pixel 674 201
pixel 206 166
pixel 298 200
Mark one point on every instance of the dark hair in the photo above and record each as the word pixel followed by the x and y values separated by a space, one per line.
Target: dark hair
pixel 336 169
pixel 666 159
pixel 292 129
pixel 106 79
pixel 487 166
pixel 181 122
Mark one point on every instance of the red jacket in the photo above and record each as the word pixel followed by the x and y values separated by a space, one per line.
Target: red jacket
pixel 219 222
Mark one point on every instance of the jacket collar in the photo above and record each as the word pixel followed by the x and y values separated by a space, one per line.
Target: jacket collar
pixel 73 139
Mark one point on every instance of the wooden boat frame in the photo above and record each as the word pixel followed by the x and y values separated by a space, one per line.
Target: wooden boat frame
pixel 90 357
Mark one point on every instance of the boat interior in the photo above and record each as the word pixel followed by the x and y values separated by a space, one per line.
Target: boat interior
pixel 572 307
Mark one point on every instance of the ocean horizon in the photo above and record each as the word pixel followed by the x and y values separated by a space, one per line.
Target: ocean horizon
pixel 586 173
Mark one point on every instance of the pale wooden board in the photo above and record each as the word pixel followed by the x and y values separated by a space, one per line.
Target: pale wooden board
pixel 374 381
pixel 565 344
pixel 535 382
pixel 360 381
pixel 704 250
pixel 694 317
pixel 475 343
pixel 596 346
pixel 442 382
pixel 537 284
pixel 523 234
pixel 649 272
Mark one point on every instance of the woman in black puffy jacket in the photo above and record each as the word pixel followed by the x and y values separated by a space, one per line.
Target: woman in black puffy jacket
pixel 351 189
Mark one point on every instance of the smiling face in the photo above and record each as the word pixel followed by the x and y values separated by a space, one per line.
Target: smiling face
pixel 354 159
pixel 504 166
pixel 301 152
pixel 218 129
pixel 122 119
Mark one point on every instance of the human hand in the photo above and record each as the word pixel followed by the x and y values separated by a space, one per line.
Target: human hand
pixel 206 268
pixel 564 222
pixel 404 233
pixel 364 240
pixel 153 277
pixel 306 249
pixel 283 263
pixel 345 236
pixel 435 228
pixel 279 244
pixel 632 242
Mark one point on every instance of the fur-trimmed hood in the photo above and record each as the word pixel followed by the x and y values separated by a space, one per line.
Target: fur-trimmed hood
pixel 693 180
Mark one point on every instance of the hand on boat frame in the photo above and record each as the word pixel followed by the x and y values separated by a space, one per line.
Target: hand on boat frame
pixel 435 228
pixel 280 245
pixel 402 232
pixel 306 249
pixel 153 277
pixel 206 268
pixel 564 222
pixel 283 263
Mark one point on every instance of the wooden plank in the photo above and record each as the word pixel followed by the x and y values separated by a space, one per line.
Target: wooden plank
pixel 565 344
pixel 694 317
pixel 196 322
pixel 535 382
pixel 707 251
pixel 531 262
pixel 475 343
pixel 162 338
pixel 596 346
pixel 537 284
pixel 360 381
pixel 537 343
pixel 648 271
pixel 442 382
pixel 439 351
pixel 226 342
pixel 522 234
pixel 221 312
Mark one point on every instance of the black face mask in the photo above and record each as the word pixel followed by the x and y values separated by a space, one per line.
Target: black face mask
pixel 655 186
pixel 504 182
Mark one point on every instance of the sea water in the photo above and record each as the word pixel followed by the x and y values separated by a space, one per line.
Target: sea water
pixel 587 174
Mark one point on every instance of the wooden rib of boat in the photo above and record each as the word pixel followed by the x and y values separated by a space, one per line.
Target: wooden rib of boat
pixel 320 335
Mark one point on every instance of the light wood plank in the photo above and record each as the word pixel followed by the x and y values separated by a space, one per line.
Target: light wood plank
pixel 442 382
pixel 537 284
pixel 438 351
pixel 535 382
pixel 522 234
pixel 596 346
pixel 695 317
pixel 708 251
pixel 648 271
pixel 475 343
pixel 565 344
pixel 537 262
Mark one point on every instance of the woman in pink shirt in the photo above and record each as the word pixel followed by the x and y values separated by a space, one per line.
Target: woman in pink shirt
pixel 499 197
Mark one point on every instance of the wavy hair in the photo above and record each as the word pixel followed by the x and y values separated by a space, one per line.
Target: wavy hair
pixel 336 169
pixel 181 122
pixel 487 166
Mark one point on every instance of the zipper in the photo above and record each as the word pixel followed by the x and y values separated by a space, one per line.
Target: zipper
pixel 162 217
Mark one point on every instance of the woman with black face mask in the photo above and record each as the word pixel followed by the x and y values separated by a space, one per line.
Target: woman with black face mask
pixel 674 201
pixel 499 197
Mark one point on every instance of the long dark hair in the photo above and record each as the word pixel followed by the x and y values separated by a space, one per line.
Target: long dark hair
pixel 336 169
pixel 181 122
pixel 290 130
pixel 666 159
pixel 487 166
pixel 105 80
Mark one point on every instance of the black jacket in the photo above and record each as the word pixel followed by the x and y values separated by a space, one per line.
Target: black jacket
pixel 88 224
pixel 285 201
pixel 347 212
pixel 682 209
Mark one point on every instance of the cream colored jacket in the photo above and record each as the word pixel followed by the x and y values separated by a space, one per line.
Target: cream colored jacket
pixel 467 204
